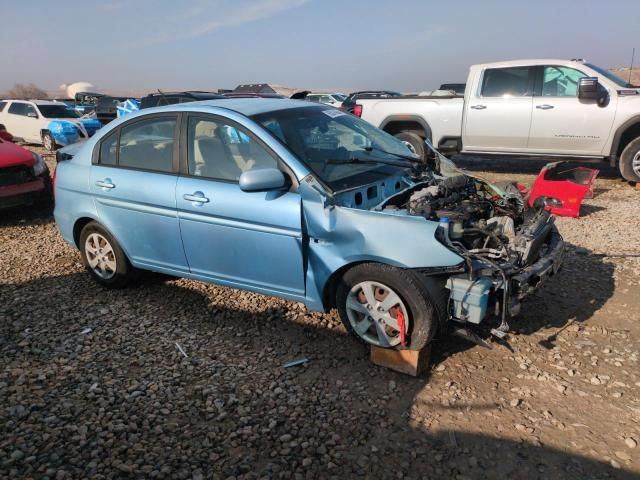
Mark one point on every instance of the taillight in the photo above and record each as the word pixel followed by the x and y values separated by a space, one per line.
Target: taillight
pixel 357 110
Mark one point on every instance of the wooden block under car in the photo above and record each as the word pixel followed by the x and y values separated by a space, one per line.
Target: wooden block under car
pixel 410 362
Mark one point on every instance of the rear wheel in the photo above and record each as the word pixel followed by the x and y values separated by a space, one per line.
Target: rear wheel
pixel 630 161
pixel 387 307
pixel 414 142
pixel 48 142
pixel 103 257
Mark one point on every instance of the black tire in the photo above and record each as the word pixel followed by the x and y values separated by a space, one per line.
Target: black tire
pixel 424 298
pixel 48 142
pixel 415 142
pixel 631 151
pixel 123 273
pixel 46 201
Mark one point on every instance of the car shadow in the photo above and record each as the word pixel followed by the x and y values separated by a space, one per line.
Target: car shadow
pixel 35 214
pixel 187 364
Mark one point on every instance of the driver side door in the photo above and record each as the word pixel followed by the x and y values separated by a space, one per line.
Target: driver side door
pixel 561 123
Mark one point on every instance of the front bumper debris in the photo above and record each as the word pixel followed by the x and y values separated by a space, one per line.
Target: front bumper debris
pixel 531 277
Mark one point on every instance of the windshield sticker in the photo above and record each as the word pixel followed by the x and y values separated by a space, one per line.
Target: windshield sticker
pixel 333 113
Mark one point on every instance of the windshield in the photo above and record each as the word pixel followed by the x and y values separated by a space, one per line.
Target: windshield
pixel 57 111
pixel 342 150
pixel 611 76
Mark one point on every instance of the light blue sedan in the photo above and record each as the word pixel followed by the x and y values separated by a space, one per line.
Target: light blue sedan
pixel 307 203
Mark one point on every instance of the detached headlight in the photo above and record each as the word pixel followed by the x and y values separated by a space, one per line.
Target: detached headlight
pixel 39 167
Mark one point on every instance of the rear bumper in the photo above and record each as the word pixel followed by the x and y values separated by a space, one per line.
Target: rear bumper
pixel 23 193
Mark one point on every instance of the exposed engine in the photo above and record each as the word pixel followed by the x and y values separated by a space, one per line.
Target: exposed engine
pixel 482 223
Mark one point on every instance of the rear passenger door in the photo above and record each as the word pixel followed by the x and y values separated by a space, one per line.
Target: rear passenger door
pixel 16 120
pixel 497 114
pixel 133 181
pixel 243 239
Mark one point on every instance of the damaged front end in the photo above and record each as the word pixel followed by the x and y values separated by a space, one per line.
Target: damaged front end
pixel 509 249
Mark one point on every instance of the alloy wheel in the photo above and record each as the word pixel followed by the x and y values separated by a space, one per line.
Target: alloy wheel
pixel 377 314
pixel 100 256
pixel 635 164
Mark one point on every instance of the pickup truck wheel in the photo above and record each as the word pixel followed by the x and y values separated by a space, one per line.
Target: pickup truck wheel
pixel 377 301
pixel 48 142
pixel 414 142
pixel 630 161
pixel 103 257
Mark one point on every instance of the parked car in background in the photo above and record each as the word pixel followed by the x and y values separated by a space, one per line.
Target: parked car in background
pixel 107 108
pixel 333 99
pixel 44 122
pixel 307 203
pixel 548 107
pixel 24 177
pixel 454 87
pixel 85 102
pixel 169 98
pixel 349 103
pixel 252 95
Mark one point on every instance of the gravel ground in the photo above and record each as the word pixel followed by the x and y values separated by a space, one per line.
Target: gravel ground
pixel 95 383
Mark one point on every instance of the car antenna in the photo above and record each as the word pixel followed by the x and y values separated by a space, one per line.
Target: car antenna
pixel 633 54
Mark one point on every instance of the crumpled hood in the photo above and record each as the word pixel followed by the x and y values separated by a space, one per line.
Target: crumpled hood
pixel 12 155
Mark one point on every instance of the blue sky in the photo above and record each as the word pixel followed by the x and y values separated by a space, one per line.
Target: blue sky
pixel 408 45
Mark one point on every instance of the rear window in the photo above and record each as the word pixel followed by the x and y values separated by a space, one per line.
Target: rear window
pixel 148 144
pixel 506 82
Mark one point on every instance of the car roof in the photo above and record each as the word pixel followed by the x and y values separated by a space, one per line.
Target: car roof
pixel 35 101
pixel 531 62
pixel 244 106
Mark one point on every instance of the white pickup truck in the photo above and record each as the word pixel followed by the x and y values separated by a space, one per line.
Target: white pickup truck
pixel 551 108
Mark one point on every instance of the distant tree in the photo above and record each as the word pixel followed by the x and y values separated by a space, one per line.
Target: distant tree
pixel 27 91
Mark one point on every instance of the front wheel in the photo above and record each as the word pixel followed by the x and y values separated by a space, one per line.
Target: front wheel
pixel 389 307
pixel 103 257
pixel 630 161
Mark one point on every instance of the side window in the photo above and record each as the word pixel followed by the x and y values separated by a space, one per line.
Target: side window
pixel 30 110
pixel 220 150
pixel 2 105
pixel 506 82
pixel 108 148
pixel 18 108
pixel 148 144
pixel 313 98
pixel 561 81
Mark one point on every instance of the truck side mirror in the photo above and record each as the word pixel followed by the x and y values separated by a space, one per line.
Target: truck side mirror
pixel 590 89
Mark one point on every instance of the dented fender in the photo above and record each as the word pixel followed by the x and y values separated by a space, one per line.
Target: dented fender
pixel 338 236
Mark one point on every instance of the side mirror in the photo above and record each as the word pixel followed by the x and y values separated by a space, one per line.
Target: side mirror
pixel 32 115
pixel 590 89
pixel 262 180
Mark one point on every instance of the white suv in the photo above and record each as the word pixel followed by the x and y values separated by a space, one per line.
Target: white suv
pixel 44 122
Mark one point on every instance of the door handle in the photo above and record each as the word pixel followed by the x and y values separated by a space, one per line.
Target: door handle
pixel 544 107
pixel 106 183
pixel 196 197
pixel 478 107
